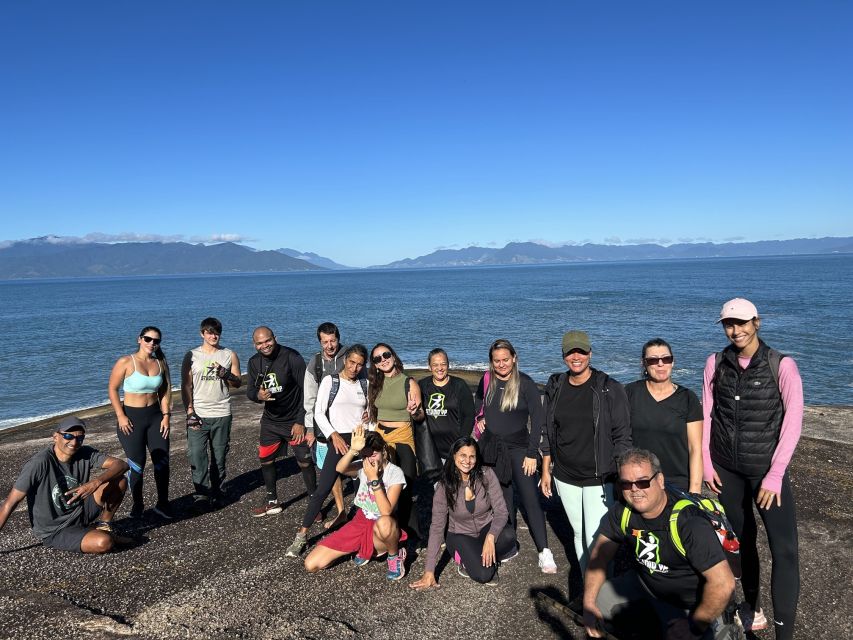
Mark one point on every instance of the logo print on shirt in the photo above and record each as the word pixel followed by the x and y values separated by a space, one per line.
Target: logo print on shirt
pixel 647 551
pixel 210 368
pixel 271 383
pixel 57 494
pixel 435 405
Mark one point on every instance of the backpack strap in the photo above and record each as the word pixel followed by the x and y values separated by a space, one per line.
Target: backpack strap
pixel 336 385
pixel 626 516
pixel 363 382
pixel 773 359
pixel 673 525
pixel 318 368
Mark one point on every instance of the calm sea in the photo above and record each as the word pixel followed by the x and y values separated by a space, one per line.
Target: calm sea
pixel 60 338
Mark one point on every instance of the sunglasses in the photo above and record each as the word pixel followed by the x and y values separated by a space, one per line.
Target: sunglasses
pixel 382 356
pixel 71 436
pixel 650 362
pixel 156 341
pixel 627 485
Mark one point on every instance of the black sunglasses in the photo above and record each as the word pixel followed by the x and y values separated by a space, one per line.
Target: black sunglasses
pixel 651 361
pixel 71 436
pixel 156 341
pixel 382 356
pixel 626 485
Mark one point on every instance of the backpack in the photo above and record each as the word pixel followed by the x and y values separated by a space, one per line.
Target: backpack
pixel 708 508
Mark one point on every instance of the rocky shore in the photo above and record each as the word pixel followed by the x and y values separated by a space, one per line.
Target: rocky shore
pixel 222 574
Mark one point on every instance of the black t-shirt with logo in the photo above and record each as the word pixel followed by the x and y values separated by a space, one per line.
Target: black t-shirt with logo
pixel 668 575
pixel 449 411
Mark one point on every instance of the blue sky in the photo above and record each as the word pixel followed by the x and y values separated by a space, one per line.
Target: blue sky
pixel 373 131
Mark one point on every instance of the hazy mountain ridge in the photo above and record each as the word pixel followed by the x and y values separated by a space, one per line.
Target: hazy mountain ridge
pixel 47 258
pixel 313 258
pixel 533 253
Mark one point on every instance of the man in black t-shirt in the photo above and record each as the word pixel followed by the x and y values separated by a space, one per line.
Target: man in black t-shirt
pixel 687 591
pixel 276 374
pixel 70 508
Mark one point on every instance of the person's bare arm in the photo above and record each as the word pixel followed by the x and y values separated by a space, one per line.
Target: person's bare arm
pixel 596 575
pixel 12 501
pixel 716 593
pixel 114 468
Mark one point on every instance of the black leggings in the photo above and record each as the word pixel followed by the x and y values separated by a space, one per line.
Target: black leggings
pixel 470 550
pixel 328 475
pixel 780 523
pixel 407 514
pixel 146 434
pixel 528 491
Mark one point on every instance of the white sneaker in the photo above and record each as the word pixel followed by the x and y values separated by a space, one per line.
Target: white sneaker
pixel 546 561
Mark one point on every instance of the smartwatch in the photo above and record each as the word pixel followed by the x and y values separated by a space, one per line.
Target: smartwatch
pixel 374 484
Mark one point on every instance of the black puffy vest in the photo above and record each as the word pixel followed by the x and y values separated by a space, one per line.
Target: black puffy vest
pixel 747 414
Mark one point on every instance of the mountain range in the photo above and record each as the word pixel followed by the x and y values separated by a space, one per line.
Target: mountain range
pixel 532 253
pixel 49 258
pixel 52 257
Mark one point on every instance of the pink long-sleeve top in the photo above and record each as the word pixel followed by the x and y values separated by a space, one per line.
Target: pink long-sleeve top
pixel 791 389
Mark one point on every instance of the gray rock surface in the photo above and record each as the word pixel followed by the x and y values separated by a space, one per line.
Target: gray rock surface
pixel 223 574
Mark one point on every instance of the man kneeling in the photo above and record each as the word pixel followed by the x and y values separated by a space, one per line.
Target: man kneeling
pixel 69 509
pixel 686 591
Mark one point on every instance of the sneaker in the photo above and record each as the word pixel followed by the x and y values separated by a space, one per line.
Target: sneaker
pixel 296 546
pixel 546 561
pixel 396 568
pixel 271 508
pixel 495 581
pixel 360 562
pixel 510 555
pixel 460 569
pixel 751 620
pixel 163 510
pixel 137 510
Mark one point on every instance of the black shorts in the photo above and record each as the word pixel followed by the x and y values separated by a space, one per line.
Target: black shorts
pixel 71 537
pixel 274 440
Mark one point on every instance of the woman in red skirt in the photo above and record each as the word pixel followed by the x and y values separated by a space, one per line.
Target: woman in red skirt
pixel 373 531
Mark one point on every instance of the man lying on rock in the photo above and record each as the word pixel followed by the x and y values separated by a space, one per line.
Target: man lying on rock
pixel 69 509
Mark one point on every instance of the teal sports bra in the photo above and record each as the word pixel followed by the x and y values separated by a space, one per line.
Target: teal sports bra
pixel 140 383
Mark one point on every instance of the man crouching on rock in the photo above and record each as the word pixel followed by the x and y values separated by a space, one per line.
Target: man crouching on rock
pixel 69 509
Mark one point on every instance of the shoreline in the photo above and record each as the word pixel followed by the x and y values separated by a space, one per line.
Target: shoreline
pixel 826 422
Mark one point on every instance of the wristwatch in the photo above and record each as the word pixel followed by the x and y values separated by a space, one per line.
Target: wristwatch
pixel 374 484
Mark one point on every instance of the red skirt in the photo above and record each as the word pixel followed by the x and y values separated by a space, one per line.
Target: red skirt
pixel 356 535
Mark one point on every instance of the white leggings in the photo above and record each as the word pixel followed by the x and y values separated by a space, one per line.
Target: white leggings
pixel 585 507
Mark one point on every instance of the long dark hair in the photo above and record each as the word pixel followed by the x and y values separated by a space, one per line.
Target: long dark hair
pixel 159 355
pixel 450 476
pixel 375 380
pixel 158 352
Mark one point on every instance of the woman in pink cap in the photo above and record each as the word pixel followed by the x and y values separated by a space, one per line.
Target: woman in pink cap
pixel 753 412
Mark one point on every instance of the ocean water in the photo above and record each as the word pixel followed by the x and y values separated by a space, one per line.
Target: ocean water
pixel 60 338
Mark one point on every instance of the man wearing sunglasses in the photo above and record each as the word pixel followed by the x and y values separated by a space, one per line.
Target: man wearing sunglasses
pixel 69 508
pixel 684 593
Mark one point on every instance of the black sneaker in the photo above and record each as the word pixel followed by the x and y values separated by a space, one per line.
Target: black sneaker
pixel 137 510
pixel 163 510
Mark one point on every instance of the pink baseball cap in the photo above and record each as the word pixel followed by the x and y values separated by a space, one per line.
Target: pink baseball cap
pixel 739 309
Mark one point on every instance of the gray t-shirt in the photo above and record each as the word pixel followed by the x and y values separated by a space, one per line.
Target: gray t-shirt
pixel 211 398
pixel 45 480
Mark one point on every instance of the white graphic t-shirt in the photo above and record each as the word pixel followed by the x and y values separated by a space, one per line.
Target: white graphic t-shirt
pixel 364 498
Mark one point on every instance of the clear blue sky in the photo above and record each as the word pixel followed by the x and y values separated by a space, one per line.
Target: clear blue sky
pixel 372 131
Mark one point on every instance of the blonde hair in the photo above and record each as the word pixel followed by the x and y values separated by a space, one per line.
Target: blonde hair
pixel 509 401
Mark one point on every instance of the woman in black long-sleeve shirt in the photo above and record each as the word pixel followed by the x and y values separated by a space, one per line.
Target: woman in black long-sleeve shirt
pixel 508 398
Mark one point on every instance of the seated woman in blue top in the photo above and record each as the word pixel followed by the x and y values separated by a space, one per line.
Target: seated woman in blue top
pixel 469 503
pixel 143 416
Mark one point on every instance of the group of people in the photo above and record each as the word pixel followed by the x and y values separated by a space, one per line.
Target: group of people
pixel 617 457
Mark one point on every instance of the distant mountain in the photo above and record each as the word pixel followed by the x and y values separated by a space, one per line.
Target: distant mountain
pixel 313 258
pixel 53 258
pixel 532 253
